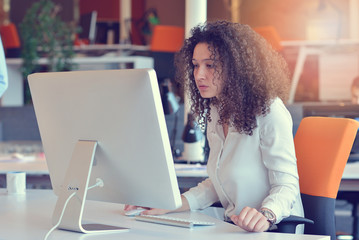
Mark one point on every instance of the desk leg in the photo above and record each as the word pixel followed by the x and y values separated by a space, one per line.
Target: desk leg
pixel 352 197
pixel 302 55
pixel 355 220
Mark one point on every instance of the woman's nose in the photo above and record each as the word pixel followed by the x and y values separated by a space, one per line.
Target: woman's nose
pixel 200 73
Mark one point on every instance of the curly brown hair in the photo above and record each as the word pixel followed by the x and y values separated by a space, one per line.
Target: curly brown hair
pixel 253 74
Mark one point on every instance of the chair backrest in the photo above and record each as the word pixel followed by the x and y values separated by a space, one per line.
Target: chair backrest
pixel 10 36
pixel 271 35
pixel 167 38
pixel 11 40
pixel 322 146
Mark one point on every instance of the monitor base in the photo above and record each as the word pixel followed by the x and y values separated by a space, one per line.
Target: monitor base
pixel 69 206
pixel 101 228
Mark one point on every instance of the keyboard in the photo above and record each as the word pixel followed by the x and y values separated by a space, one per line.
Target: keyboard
pixel 178 222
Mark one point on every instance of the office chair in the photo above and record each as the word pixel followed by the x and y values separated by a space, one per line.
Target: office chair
pixel 165 42
pixel 167 38
pixel 271 35
pixel 322 146
pixel 10 39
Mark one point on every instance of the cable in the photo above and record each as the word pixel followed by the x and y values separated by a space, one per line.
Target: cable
pixel 99 183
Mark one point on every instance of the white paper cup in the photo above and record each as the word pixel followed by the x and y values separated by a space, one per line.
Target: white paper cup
pixel 16 182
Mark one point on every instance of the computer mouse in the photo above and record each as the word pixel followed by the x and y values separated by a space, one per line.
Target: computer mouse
pixel 134 212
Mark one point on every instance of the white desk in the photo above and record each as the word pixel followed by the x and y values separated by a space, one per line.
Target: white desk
pixel 38 174
pixel 14 94
pixel 123 49
pixel 29 217
pixel 38 166
pixel 188 175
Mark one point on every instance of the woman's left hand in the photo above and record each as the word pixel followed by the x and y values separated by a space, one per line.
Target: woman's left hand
pixel 250 219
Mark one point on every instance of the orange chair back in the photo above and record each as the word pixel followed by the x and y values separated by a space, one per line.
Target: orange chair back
pixel 167 38
pixel 323 145
pixel 271 35
pixel 9 36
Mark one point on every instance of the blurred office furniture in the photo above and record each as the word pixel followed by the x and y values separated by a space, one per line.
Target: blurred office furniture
pixel 322 146
pixel 87 23
pixel 165 42
pixel 10 39
pixel 167 38
pixel 142 28
pixel 107 32
pixel 193 139
pixel 271 35
pixel 110 49
pixel 14 94
pixel 338 65
pixel 348 193
pixel 19 124
pixel 170 107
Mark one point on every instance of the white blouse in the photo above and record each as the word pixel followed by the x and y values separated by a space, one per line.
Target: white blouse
pixel 256 171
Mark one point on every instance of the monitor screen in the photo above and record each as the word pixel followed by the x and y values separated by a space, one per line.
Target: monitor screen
pixel 88 26
pixel 119 110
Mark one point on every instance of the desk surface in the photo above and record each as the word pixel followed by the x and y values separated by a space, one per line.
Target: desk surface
pixel 28 217
pixel 319 43
pixel 36 166
pixel 111 47
pixel 39 167
pixel 110 58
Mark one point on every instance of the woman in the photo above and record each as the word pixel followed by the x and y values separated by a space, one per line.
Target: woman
pixel 238 83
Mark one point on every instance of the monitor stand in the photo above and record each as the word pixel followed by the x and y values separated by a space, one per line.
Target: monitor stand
pixel 77 179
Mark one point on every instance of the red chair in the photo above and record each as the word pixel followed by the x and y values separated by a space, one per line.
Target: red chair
pixel 10 39
pixel 167 38
pixel 271 35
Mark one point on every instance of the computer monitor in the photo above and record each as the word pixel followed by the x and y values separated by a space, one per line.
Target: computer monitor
pixel 106 125
pixel 88 26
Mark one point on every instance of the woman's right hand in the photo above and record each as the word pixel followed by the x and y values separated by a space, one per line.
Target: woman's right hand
pixel 148 211
pixel 130 207
pixel 157 211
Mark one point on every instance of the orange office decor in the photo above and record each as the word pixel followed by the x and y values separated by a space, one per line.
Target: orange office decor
pixel 271 35
pixel 167 38
pixel 10 39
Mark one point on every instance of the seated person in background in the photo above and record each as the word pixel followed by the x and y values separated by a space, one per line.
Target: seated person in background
pixel 238 82
pixel 355 90
pixel 3 71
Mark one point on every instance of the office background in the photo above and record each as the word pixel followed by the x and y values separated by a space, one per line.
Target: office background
pixel 293 20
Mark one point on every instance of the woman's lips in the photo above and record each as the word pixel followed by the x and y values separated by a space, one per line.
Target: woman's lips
pixel 202 87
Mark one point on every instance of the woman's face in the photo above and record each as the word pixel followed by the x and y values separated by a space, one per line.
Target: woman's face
pixel 204 72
